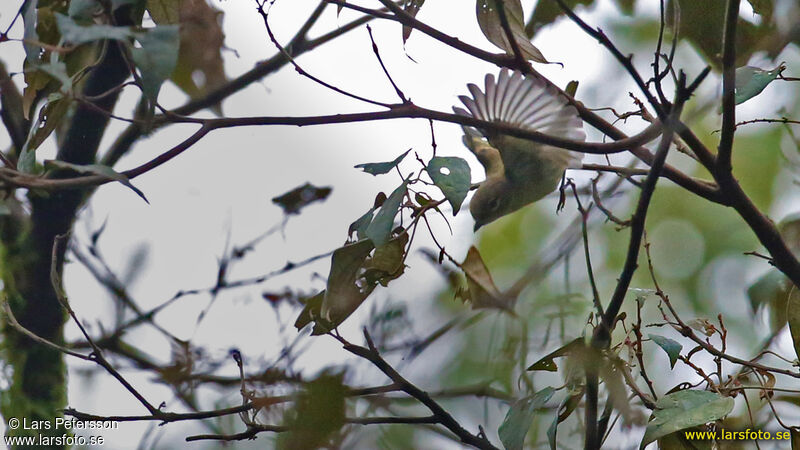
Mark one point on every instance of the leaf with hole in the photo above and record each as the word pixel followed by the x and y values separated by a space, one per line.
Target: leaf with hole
pixel 452 176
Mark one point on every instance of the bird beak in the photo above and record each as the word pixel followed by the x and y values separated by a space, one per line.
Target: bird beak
pixel 477 226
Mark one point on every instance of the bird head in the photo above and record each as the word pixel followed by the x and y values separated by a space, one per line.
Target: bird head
pixel 492 200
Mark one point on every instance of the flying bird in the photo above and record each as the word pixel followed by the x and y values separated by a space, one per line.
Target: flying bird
pixel 518 171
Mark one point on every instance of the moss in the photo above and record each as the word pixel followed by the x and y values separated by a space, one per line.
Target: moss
pixel 37 385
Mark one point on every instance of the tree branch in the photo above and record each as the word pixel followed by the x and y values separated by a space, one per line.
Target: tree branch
pixel 442 417
pixel 728 87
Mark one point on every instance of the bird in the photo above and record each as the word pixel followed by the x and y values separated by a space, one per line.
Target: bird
pixel 518 171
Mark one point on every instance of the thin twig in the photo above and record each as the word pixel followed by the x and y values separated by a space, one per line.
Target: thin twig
pixel 383 66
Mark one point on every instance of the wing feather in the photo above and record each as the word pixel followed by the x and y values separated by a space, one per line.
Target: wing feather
pixel 528 102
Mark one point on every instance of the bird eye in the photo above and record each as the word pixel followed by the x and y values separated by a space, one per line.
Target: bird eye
pixel 494 203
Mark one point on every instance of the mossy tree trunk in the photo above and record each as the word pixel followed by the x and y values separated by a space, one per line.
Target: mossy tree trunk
pixel 37 373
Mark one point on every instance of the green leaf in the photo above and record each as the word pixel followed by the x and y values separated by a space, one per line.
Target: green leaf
pixel 381 226
pixel 672 348
pixel 546 13
pixel 29 19
pixel 763 8
pixel 750 81
pixel 789 228
pixel 311 311
pixel 345 292
pixel 157 57
pixel 701 24
pixel 565 409
pixel 685 409
pixel 546 363
pixel 359 227
pixel 552 433
pixel 49 118
pixel 382 167
pixel 771 291
pixel 57 70
pixel 766 288
pixel 84 10
pixel 519 417
pixel 352 278
pixel 164 11
pixel 96 169
pixel 75 34
pixel 27 159
pixel 489 21
pixel 572 88
pixel 793 317
pixel 200 67
pixel 387 263
pixel 452 175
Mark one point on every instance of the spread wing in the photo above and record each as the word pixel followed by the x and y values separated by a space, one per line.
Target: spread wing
pixel 529 102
